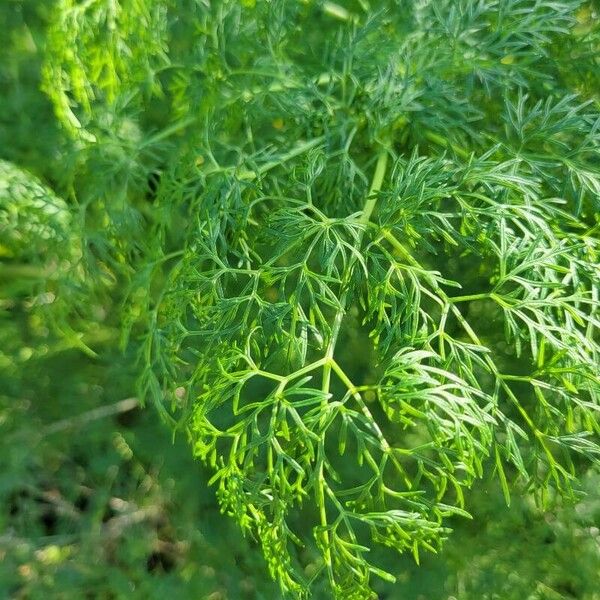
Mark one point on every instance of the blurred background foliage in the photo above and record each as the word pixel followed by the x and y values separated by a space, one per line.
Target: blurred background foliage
pixel 97 500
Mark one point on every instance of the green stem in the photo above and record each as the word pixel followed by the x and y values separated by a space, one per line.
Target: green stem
pixel 376 184
pixel 469 298
pixel 305 370
pixel 168 257
pixel 364 408
pixel 329 362
pixel 442 141
pixel 380 169
pixel 338 12
pixel 301 149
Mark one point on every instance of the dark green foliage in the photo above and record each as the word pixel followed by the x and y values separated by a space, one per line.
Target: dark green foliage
pixel 354 250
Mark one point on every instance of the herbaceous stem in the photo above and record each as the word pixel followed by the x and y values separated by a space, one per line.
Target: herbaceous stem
pixel 376 184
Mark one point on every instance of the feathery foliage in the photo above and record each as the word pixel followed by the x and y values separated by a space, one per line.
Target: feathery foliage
pixel 322 213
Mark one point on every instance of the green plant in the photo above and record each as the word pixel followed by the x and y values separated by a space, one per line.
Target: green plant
pixel 360 248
